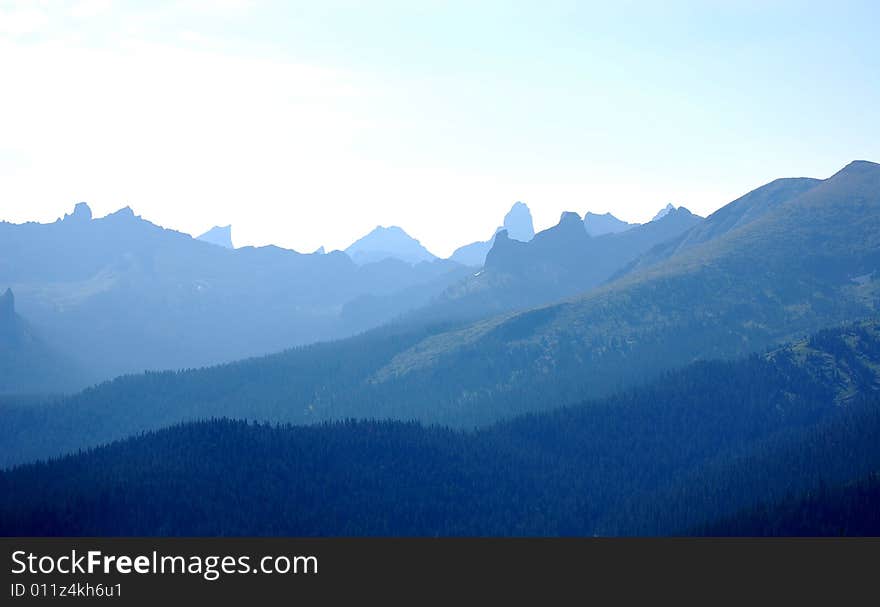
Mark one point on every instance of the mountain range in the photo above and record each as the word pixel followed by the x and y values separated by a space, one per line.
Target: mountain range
pixel 188 304
pixel 684 376
pixel 119 294
pixel 807 264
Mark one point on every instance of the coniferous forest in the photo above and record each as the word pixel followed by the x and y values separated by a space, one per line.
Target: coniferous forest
pixel 756 445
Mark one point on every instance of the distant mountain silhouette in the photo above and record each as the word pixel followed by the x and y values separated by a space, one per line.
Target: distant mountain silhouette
pixel 388 243
pixel 518 222
pixel 218 235
pixel 27 364
pixel 597 225
pixel 518 225
pixel 144 297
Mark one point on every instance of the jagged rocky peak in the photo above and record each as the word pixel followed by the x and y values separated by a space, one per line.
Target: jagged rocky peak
pixel 7 305
pixel 570 228
pixel 81 213
pixel 218 235
pixel 518 222
pixel 606 223
pixel 319 251
pixel 664 211
pixel 569 217
pixel 502 246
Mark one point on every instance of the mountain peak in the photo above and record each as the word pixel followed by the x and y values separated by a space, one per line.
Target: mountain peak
pixel 218 235
pixel 862 164
pixel 518 222
pixel 384 242
pixel 664 211
pixel 569 217
pixel 125 211
pixel 81 213
pixel 570 226
pixel 857 167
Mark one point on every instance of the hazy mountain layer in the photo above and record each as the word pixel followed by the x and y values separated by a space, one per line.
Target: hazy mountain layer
pixel 27 364
pixel 119 294
pixel 388 243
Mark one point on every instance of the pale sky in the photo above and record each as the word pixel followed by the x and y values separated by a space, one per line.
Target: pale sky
pixel 307 124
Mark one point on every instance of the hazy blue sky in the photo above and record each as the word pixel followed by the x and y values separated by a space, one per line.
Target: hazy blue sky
pixel 306 124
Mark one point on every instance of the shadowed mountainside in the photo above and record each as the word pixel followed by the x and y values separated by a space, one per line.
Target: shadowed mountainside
pixel 759 429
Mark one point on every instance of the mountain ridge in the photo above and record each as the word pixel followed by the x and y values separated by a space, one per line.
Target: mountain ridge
pixel 807 284
pixel 118 280
pixel 606 223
